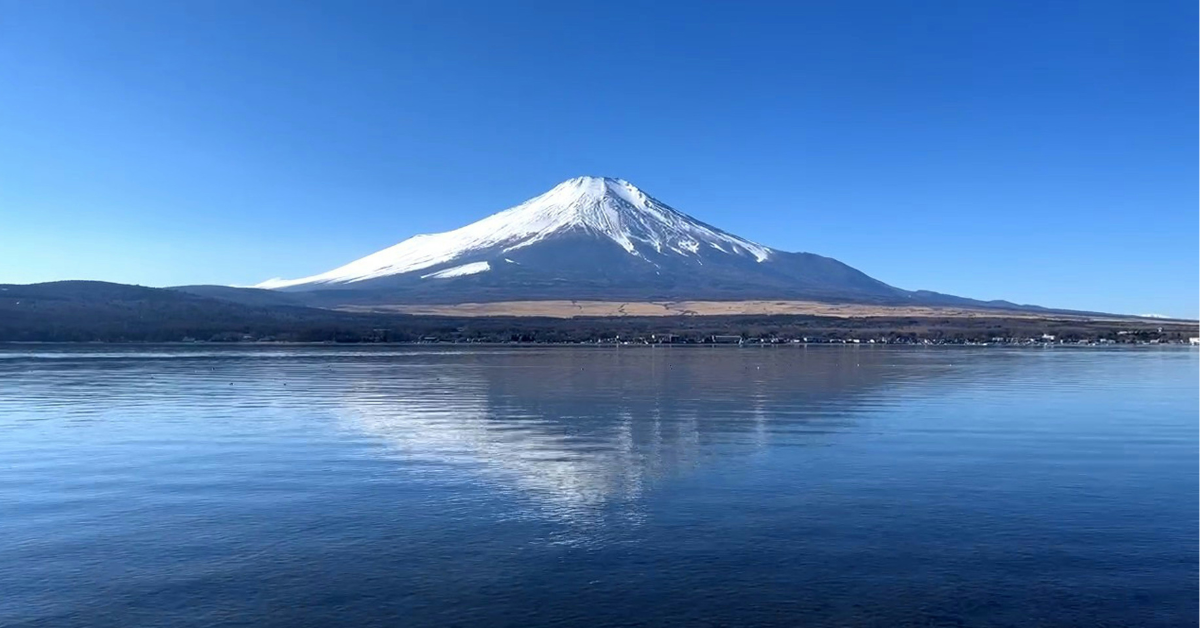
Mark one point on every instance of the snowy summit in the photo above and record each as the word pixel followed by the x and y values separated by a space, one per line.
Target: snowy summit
pixel 610 208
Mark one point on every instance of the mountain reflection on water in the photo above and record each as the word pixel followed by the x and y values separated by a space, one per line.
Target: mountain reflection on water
pixel 578 430
pixel 523 486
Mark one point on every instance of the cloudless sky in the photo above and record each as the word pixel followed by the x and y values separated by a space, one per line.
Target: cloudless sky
pixel 1041 152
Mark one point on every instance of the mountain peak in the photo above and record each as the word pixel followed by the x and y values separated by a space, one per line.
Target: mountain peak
pixel 593 181
pixel 592 188
pixel 605 207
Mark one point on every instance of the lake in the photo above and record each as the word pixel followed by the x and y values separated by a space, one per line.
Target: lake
pixel 600 486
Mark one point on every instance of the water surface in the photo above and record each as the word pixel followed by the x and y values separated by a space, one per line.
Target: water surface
pixel 385 486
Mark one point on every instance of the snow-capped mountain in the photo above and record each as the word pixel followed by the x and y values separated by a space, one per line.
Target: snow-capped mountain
pixel 590 237
pixel 610 208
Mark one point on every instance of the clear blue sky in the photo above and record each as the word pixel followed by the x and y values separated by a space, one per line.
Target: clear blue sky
pixel 1042 152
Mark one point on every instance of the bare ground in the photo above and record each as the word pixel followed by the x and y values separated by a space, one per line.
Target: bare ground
pixel 590 309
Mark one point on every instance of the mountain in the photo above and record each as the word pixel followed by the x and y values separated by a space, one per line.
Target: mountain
pixel 591 238
pixel 587 239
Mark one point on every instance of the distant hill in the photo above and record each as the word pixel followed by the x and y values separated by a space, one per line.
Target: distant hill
pixel 93 310
pixel 247 296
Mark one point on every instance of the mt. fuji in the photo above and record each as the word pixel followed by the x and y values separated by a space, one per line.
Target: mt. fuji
pixel 589 238
pixel 611 209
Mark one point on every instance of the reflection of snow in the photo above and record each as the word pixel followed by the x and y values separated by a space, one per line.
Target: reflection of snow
pixel 582 437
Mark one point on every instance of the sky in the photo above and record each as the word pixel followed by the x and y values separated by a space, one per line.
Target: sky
pixel 1040 152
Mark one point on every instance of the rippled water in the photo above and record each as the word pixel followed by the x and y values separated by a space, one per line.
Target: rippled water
pixel 818 486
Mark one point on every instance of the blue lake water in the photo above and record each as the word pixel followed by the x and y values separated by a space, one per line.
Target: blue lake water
pixel 789 486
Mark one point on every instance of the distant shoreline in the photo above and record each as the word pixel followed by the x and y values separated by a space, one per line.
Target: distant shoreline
pixel 604 345
pixel 89 312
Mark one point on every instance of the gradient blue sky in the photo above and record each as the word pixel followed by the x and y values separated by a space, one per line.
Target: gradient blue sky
pixel 1042 152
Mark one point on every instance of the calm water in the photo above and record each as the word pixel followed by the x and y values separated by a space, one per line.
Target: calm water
pixel 267 486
